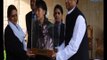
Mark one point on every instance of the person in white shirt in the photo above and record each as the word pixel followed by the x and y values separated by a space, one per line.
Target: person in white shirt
pixel 75 46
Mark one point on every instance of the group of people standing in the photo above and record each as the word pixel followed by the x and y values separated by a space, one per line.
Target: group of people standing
pixel 68 41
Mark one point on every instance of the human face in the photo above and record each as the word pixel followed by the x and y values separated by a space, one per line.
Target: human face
pixel 57 15
pixel 40 14
pixel 70 4
pixel 13 17
pixel 32 4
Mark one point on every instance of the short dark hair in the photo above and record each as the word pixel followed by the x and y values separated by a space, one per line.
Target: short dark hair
pixel 9 10
pixel 59 7
pixel 41 4
pixel 77 1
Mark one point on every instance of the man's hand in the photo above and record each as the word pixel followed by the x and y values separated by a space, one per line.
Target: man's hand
pixel 54 56
pixel 30 54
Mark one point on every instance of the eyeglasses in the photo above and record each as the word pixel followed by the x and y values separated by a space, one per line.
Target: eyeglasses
pixel 57 13
pixel 15 15
pixel 68 0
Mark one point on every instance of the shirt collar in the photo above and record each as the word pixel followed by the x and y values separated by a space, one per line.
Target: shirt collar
pixel 71 10
pixel 33 12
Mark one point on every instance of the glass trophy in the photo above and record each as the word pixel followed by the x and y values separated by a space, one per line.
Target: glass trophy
pixel 42 39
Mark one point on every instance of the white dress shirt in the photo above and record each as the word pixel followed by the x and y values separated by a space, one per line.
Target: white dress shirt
pixel 65 53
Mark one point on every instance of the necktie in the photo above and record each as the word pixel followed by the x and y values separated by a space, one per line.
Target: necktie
pixel 33 16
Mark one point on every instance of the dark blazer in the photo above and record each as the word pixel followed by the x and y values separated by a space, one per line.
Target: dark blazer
pixel 28 25
pixel 14 48
pixel 58 39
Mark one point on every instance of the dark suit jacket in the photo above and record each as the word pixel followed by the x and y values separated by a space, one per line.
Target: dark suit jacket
pixel 59 39
pixel 28 25
pixel 14 48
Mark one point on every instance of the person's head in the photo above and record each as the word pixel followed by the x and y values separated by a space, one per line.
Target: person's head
pixel 41 10
pixel 32 4
pixel 12 14
pixel 58 13
pixel 71 3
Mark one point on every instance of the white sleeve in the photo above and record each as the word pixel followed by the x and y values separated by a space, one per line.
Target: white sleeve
pixel 75 41
pixel 61 47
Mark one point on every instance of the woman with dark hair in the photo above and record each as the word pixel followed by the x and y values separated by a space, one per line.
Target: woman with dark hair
pixel 42 30
pixel 15 45
pixel 59 27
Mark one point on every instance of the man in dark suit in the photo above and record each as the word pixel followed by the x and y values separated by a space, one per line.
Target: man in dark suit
pixel 30 17
pixel 76 43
